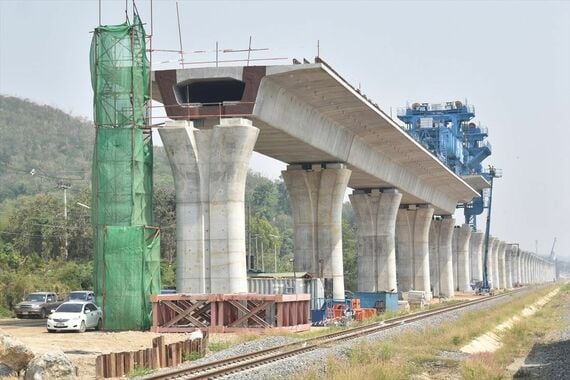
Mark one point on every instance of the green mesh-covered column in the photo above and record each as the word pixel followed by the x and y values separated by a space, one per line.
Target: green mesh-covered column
pixel 127 250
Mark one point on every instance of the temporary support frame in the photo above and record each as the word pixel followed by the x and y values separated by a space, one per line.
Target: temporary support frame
pixel 230 312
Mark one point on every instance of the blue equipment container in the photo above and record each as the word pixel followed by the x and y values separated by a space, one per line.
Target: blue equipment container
pixel 374 299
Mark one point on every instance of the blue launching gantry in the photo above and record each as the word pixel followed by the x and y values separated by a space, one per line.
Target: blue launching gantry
pixel 447 131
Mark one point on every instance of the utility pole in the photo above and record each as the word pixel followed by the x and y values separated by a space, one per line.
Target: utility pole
pixel 64 186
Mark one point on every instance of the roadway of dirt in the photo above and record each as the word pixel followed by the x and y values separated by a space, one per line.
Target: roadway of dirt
pixel 82 349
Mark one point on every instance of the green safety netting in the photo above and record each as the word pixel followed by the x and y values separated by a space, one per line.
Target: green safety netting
pixel 127 250
pixel 119 74
pixel 131 257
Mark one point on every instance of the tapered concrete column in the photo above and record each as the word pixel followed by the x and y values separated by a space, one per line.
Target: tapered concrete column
pixel 489 262
pixel 375 212
pixel 476 255
pixel 460 248
pixel 440 260
pixel 210 168
pixel 509 260
pixel 495 263
pixel 529 268
pixel 522 261
pixel 412 252
pixel 316 200
pixel 525 267
pixel 502 273
pixel 515 266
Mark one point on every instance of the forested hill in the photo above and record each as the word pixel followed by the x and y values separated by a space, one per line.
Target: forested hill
pixel 45 141
pixel 52 145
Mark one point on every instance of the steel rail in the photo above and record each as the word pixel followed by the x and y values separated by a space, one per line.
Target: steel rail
pixel 242 362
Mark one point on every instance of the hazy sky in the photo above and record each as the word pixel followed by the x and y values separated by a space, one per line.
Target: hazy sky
pixel 510 59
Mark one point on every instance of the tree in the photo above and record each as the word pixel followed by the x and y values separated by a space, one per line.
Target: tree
pixel 349 248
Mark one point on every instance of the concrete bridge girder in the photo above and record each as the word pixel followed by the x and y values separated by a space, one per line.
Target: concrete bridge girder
pixel 304 113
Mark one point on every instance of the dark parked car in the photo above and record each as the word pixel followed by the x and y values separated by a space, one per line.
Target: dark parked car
pixel 38 304
pixel 81 295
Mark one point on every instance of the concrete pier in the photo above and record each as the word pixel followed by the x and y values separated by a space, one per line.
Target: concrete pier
pixel 375 211
pixel 489 262
pixel 509 260
pixel 476 255
pixel 525 269
pixel 460 248
pixel 412 252
pixel 495 264
pixel 209 168
pixel 522 267
pixel 440 261
pixel 501 265
pixel 317 192
pixel 516 266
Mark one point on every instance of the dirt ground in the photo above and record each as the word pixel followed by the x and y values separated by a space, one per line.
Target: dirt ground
pixel 82 349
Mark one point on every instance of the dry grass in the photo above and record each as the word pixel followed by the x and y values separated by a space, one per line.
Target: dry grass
pixel 420 352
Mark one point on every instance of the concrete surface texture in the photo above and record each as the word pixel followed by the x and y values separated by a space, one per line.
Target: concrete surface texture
pixel 509 254
pixel 440 263
pixel 460 248
pixel 375 213
pixel 412 252
pixel 522 267
pixel 515 265
pixel 316 200
pixel 476 255
pixel 501 250
pixel 495 264
pixel 209 168
pixel 527 271
pixel 489 261
pixel 283 101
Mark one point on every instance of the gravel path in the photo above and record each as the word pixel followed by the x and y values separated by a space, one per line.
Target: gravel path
pixel 550 359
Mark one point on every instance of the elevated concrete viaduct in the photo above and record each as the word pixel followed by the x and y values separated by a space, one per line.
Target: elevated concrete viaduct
pixel 332 137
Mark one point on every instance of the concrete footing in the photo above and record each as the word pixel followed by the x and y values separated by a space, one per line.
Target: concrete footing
pixel 317 192
pixel 440 263
pixel 209 168
pixel 460 247
pixel 412 253
pixel 375 213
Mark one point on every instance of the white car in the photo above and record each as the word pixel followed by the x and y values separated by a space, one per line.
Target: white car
pixel 75 315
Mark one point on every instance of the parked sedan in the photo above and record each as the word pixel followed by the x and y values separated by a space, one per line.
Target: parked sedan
pixel 75 315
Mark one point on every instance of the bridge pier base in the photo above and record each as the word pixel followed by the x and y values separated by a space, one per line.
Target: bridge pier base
pixel 412 252
pixel 375 212
pixel 461 236
pixel 317 192
pixel 209 168
pixel 440 261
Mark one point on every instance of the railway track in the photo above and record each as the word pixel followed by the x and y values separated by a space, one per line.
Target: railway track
pixel 242 362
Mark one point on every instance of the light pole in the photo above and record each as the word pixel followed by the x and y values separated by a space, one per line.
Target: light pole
pixel 294 275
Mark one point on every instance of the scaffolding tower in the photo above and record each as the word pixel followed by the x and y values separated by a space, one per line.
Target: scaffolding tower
pixel 126 246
